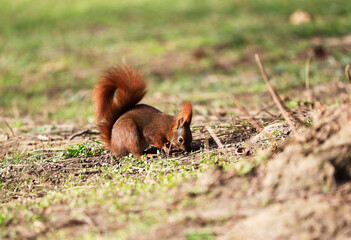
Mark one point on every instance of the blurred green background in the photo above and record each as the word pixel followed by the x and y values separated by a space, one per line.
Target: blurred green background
pixel 52 52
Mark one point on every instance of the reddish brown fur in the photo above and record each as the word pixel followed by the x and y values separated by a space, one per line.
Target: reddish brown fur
pixel 127 127
pixel 186 114
pixel 131 90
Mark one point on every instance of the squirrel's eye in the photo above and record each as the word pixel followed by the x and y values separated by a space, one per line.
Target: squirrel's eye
pixel 180 139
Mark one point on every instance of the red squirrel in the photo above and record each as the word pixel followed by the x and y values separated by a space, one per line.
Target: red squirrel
pixel 128 127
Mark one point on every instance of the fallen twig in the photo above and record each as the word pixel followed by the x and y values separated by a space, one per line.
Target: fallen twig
pixel 86 172
pixel 283 109
pixel 13 134
pixel 86 131
pixel 47 150
pixel 215 138
pixel 15 109
pixel 347 72
pixel 38 164
pixel 78 187
pixel 307 78
pixel 264 109
pixel 274 119
pixel 247 114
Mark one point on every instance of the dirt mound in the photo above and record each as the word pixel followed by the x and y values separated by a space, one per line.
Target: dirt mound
pixel 302 193
pixel 318 161
pixel 314 218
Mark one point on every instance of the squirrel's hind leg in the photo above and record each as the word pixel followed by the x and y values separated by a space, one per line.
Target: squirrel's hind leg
pixel 126 138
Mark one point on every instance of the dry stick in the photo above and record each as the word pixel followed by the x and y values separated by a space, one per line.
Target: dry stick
pixel 275 118
pixel 264 109
pixel 247 114
pixel 347 72
pixel 38 164
pixel 15 109
pixel 276 97
pixel 13 134
pixel 86 131
pixel 307 78
pixel 78 187
pixel 215 138
pixel 47 150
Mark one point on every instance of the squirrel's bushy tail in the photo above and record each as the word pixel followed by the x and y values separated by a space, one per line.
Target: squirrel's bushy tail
pixel 117 91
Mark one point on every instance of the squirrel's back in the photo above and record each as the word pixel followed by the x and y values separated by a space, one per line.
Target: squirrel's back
pixel 109 106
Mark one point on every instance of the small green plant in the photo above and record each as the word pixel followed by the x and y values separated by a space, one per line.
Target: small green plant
pixel 83 150
pixel 265 202
pixel 309 122
pixel 276 132
pixel 244 167
pixel 2 219
pixel 200 236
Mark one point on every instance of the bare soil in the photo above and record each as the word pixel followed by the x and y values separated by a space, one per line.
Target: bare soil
pixel 301 191
pixel 304 192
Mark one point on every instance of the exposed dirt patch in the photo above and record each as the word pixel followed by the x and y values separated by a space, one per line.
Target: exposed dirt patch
pixel 302 193
pixel 36 179
pixel 47 167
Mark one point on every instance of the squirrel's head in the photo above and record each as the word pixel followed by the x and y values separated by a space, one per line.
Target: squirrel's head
pixel 181 134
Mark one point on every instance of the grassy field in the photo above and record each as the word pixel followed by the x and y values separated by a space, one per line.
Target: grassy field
pixel 51 54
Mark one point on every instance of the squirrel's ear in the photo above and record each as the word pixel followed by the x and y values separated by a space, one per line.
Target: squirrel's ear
pixel 184 116
pixel 187 112
pixel 179 123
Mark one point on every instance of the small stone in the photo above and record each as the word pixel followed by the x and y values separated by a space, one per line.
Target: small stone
pixel 300 17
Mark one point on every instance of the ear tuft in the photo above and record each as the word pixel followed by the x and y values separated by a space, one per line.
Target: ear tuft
pixel 184 116
pixel 179 123
pixel 187 112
